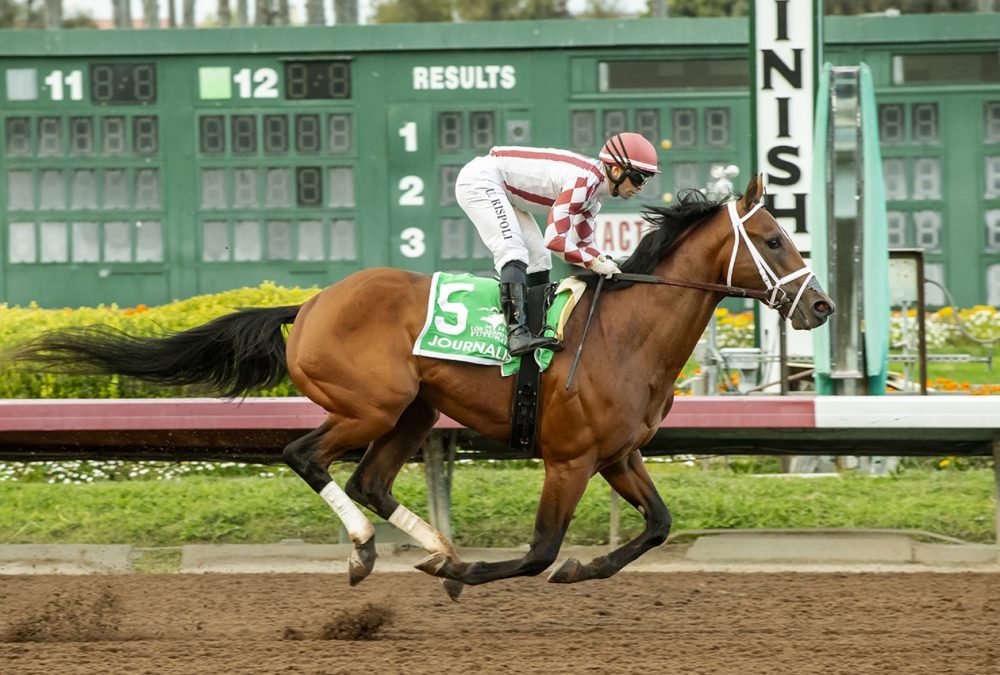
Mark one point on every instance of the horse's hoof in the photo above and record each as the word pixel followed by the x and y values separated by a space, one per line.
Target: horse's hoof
pixel 361 562
pixel 453 588
pixel 567 573
pixel 433 563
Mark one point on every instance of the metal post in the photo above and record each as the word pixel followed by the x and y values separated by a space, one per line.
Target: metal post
pixel 613 536
pixel 438 484
pixel 783 357
pixel 845 231
pixel 996 490
pixel 921 324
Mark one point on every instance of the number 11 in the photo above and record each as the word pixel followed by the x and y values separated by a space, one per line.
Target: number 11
pixel 56 82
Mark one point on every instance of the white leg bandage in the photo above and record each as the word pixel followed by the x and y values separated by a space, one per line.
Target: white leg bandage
pixel 358 527
pixel 414 525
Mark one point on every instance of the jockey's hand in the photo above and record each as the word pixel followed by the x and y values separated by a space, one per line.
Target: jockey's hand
pixel 604 266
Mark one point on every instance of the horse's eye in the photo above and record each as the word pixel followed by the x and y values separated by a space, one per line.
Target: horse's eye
pixel 774 242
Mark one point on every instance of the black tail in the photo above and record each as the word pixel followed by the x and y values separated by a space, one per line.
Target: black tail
pixel 228 357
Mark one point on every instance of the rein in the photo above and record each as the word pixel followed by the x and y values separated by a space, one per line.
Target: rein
pixel 774 295
pixel 731 291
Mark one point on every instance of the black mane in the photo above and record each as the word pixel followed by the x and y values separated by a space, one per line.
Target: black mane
pixel 668 223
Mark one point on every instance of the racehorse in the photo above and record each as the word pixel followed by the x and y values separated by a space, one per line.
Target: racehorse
pixel 350 351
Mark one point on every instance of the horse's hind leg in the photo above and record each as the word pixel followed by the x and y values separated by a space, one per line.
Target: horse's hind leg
pixel 630 479
pixel 371 482
pixel 564 485
pixel 304 455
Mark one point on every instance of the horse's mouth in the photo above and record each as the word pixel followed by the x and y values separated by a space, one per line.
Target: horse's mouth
pixel 824 309
pixel 812 315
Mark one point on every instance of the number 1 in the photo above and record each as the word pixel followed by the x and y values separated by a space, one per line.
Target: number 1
pixel 409 133
pixel 242 80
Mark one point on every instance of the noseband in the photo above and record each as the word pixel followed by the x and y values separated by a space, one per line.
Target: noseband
pixel 776 297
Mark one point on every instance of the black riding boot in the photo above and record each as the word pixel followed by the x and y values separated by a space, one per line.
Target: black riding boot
pixel 520 341
pixel 540 278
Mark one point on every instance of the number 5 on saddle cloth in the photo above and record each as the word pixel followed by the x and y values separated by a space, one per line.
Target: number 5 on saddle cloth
pixel 465 323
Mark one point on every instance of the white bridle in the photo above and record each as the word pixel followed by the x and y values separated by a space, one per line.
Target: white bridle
pixel 771 281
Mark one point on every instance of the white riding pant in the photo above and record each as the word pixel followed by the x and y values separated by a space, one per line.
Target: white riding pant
pixel 508 232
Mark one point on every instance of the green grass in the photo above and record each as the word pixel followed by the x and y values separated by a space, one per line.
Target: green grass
pixel 493 505
pixel 976 372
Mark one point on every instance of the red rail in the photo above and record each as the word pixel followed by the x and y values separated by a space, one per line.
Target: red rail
pixel 300 413
pixel 256 429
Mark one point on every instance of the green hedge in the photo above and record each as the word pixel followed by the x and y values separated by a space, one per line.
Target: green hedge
pixel 18 324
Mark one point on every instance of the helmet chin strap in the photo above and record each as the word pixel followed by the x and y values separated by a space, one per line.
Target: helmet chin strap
pixel 615 184
pixel 616 147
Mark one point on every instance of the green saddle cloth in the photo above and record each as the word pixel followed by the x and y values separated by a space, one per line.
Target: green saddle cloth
pixel 465 323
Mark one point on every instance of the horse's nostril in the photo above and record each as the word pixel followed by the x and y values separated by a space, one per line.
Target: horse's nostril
pixel 822 308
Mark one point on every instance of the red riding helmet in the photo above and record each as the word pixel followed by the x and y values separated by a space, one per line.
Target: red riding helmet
pixel 630 151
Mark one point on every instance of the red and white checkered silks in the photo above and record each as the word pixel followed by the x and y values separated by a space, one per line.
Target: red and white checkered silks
pixel 566 186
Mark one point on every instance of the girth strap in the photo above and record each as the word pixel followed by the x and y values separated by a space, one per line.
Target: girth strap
pixel 527 384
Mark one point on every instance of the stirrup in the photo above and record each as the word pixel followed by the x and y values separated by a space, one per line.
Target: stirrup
pixel 520 341
pixel 557 344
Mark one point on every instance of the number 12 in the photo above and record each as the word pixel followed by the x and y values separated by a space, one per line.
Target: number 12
pixel 266 80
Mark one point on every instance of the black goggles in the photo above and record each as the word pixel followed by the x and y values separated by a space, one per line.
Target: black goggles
pixel 638 178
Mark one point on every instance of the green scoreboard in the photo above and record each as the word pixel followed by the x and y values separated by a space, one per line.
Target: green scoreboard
pixel 142 166
pixel 137 179
pixel 83 200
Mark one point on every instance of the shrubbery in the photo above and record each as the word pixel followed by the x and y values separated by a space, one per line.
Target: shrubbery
pixel 18 324
pixel 982 322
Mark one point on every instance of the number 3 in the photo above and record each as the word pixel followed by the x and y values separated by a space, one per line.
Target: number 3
pixel 414 246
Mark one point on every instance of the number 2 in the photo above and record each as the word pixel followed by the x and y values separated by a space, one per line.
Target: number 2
pixel 412 187
pixel 266 80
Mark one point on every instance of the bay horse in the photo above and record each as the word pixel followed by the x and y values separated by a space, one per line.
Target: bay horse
pixel 350 351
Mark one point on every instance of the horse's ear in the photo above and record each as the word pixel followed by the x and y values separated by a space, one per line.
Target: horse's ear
pixel 754 191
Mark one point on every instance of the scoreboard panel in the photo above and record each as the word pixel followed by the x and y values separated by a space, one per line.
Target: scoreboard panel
pixel 142 166
pixel 275 158
pixel 443 110
pixel 84 172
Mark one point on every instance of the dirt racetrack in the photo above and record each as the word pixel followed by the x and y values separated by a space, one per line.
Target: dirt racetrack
pixel 403 623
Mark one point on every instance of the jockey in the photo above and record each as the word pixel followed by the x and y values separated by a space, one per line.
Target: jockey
pixel 499 192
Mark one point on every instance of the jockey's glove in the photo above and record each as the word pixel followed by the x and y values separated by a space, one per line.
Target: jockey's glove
pixel 604 266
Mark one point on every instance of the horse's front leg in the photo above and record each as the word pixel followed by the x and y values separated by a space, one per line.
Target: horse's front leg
pixel 630 479
pixel 371 482
pixel 565 483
